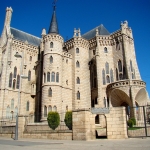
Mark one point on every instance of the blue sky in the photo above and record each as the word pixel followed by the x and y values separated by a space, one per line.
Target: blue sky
pixel 32 16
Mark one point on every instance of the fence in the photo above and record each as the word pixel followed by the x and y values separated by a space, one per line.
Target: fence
pixel 142 127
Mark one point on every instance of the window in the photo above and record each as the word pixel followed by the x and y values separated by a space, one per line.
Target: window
pixel 53 77
pixel 10 80
pixel 120 76
pixel 131 67
pixel 103 76
pixel 120 66
pixel 107 79
pixel 49 108
pixel 12 104
pixel 77 50
pixel 27 106
pixel 117 45
pixel 8 112
pixel 111 75
pixel 133 76
pixel 57 77
pixel 50 92
pixel 15 72
pixel 30 59
pixel 48 77
pixel 116 74
pixel 107 67
pixel 78 95
pixel 78 80
pixel 93 52
pixel 55 108
pixel 105 50
pixel 18 81
pixel 51 44
pixel 97 119
pixel 44 77
pixel 45 111
pixel 14 84
pixel 29 75
pixel 77 64
pixel 51 59
pixel 96 102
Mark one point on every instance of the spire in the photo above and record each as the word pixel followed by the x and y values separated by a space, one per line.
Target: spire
pixel 53 25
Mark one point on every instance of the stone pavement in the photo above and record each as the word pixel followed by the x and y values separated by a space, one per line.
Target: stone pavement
pixel 99 144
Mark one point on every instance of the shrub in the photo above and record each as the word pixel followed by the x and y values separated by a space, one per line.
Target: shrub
pixel 68 119
pixel 53 120
pixel 134 121
pixel 130 123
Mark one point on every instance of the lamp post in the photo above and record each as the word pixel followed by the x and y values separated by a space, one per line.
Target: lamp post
pixel 17 55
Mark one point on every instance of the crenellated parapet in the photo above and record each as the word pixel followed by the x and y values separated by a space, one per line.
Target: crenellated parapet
pixel 76 42
pixel 53 37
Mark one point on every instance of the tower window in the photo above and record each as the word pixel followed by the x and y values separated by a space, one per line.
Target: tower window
pixel 18 81
pixel 77 64
pixel 111 75
pixel 53 77
pixel 51 59
pixel 107 79
pixel 103 76
pixel 27 106
pixel 15 72
pixel 10 80
pixel 48 77
pixel 120 66
pixel 50 92
pixel 45 111
pixel 105 50
pixel 51 44
pixel 78 95
pixel 107 67
pixel 77 50
pixel 57 77
pixel 78 80
pixel 44 77
pixel 14 84
pixel 29 75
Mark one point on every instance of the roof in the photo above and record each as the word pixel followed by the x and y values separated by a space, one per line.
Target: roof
pixel 90 34
pixel 23 36
pixel 53 25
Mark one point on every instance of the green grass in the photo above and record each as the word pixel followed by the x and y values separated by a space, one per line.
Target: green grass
pixel 134 128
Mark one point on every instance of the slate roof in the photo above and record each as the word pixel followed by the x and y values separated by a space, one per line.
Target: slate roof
pixel 90 34
pixel 53 25
pixel 23 36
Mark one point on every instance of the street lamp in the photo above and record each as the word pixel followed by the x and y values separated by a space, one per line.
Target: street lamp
pixel 17 55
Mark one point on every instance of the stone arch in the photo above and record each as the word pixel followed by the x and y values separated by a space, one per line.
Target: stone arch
pixel 120 98
pixel 141 97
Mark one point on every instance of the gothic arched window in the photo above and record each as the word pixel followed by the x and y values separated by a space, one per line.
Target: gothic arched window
pixel 10 80
pixel 49 108
pixel 131 67
pixel 107 79
pixel 107 67
pixel 77 64
pixel 27 106
pixel 55 108
pixel 57 77
pixel 48 77
pixel 53 77
pixel 18 81
pixel 29 75
pixel 120 66
pixel 105 50
pixel 77 50
pixel 14 84
pixel 51 59
pixel 45 111
pixel 12 104
pixel 15 72
pixel 120 76
pixel 51 45
pixel 116 74
pixel 103 76
pixel 78 80
pixel 111 75
pixel 78 95
pixel 50 92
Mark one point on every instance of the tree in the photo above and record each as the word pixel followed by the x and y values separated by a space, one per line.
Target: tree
pixel 68 119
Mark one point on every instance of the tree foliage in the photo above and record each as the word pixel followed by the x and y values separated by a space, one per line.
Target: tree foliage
pixel 68 119
pixel 53 120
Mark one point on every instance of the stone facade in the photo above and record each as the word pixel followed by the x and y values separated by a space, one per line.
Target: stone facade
pixel 97 69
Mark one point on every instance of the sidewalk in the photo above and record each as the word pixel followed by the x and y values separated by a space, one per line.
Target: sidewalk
pixel 100 144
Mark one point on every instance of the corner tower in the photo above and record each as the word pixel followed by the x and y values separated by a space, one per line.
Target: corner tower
pixel 52 69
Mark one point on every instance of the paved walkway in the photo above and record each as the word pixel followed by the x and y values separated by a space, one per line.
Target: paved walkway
pixel 100 144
